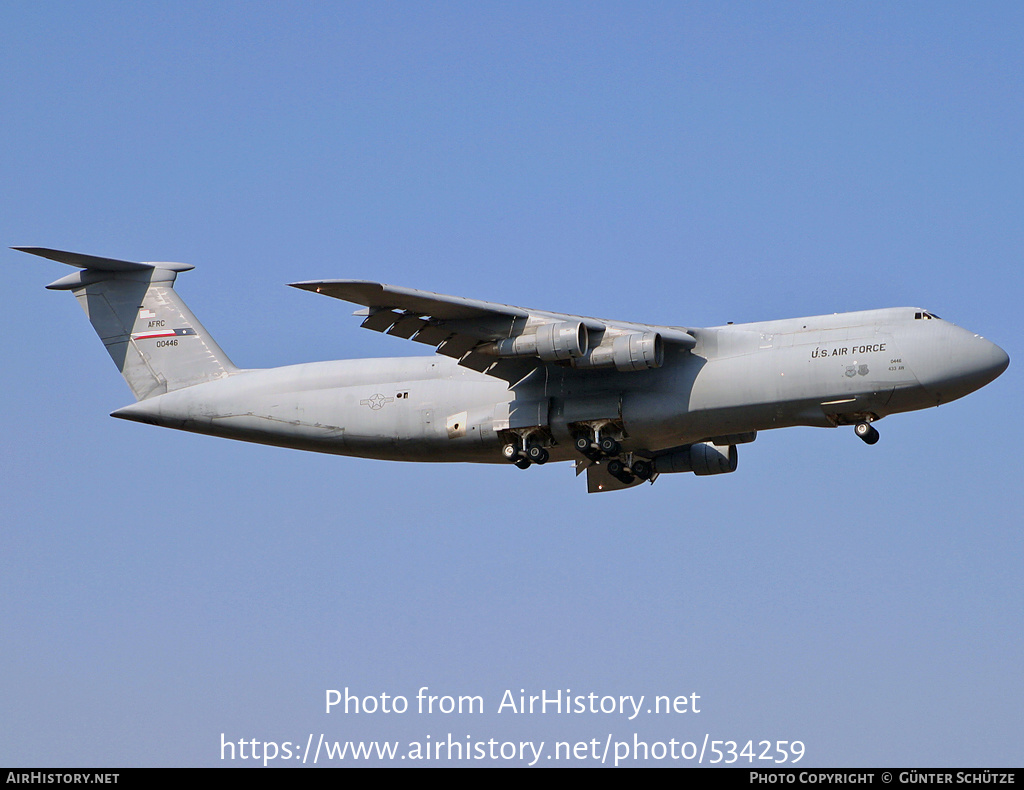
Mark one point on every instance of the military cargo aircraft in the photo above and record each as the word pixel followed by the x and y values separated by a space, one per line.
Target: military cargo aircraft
pixel 626 401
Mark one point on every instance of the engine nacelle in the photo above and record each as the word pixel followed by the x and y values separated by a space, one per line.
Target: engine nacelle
pixel 702 458
pixel 551 342
pixel 638 351
pixel 635 351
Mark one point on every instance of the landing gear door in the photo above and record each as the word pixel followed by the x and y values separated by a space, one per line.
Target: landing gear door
pixel 599 479
pixel 569 414
pixel 528 414
pixel 501 417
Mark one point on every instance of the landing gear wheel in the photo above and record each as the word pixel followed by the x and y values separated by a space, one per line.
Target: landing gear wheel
pixel 537 454
pixel 609 446
pixel 522 463
pixel 583 444
pixel 617 469
pixel 643 469
pixel 510 452
pixel 866 431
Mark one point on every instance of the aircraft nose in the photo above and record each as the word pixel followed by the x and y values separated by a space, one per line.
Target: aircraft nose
pixel 990 361
pixel 980 362
pixel 966 362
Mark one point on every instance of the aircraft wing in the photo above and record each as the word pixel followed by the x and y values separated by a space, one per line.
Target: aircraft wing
pixel 502 340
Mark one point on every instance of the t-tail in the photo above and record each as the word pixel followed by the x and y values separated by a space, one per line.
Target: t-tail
pixel 153 338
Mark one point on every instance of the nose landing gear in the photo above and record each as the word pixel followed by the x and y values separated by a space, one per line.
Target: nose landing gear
pixel 866 432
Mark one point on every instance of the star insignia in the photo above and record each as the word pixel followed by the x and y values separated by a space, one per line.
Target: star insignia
pixel 376 402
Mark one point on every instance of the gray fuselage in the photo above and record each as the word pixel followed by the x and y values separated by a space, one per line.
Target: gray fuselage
pixel 738 379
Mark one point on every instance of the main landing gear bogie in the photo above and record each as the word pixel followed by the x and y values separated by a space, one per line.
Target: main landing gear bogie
pixel 597 447
pixel 643 469
pixel 525 454
pixel 607 450
pixel 638 469
pixel 537 454
pixel 618 469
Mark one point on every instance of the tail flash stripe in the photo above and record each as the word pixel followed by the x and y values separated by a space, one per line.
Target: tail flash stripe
pixel 163 333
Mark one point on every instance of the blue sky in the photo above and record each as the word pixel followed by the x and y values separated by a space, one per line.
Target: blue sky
pixel 650 162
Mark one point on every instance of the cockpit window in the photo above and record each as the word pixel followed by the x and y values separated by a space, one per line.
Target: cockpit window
pixel 925 314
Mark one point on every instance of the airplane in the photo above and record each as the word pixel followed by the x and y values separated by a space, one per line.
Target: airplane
pixel 626 401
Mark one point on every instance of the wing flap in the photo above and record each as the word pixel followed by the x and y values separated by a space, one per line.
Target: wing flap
pixel 432 335
pixel 407 326
pixel 457 345
pixel 381 320
pixel 474 360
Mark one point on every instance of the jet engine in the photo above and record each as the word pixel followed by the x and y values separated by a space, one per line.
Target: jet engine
pixel 551 342
pixel 635 351
pixel 702 458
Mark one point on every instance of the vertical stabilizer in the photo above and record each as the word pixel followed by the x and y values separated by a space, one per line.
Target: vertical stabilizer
pixel 149 332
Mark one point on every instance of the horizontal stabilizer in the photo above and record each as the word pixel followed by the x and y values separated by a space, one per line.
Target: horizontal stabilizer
pixel 101 264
